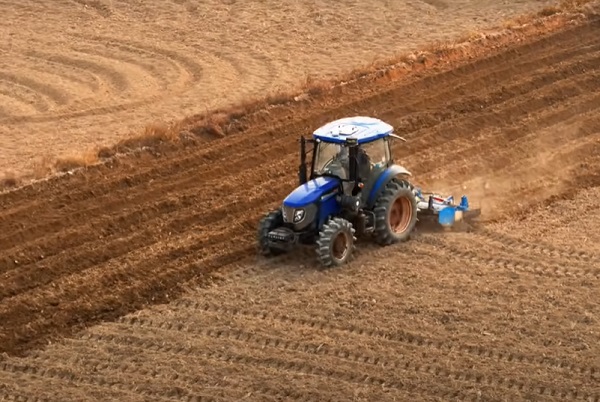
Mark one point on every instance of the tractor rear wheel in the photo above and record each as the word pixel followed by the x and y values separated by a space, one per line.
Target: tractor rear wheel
pixel 395 213
pixel 335 244
pixel 270 221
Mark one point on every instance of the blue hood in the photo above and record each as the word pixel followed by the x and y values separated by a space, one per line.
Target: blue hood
pixel 310 192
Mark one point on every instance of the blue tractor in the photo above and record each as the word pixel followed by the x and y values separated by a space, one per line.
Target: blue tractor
pixel 353 189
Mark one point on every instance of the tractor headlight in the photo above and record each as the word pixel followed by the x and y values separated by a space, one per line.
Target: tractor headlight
pixel 299 215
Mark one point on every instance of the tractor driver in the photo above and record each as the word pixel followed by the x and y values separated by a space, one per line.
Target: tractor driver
pixel 342 163
pixel 363 161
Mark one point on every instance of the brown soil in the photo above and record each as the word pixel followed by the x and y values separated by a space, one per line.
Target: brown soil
pixel 91 72
pixel 507 311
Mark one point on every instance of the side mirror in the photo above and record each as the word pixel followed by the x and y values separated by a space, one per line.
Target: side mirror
pixel 398 137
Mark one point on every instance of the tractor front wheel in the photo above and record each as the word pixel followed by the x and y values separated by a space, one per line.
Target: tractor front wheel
pixel 335 244
pixel 395 213
pixel 270 221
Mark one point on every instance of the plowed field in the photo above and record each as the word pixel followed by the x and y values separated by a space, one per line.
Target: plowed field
pixel 506 311
pixel 92 71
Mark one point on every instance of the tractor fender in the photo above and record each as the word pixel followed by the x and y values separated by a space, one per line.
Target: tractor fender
pixel 385 176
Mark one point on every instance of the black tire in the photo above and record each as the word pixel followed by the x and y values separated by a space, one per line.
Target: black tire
pixel 335 244
pixel 270 221
pixel 395 213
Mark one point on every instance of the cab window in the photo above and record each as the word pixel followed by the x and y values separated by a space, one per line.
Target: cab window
pixel 378 152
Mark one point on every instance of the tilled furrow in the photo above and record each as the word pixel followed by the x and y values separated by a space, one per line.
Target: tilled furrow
pixel 200 188
pixel 351 366
pixel 432 124
pixel 343 354
pixel 570 97
pixel 56 376
pixel 293 363
pixel 128 368
pixel 381 335
pixel 512 265
pixel 523 137
pixel 517 168
pixel 112 236
pixel 545 249
pixel 31 318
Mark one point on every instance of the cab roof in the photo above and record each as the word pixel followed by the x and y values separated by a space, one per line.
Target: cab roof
pixel 362 128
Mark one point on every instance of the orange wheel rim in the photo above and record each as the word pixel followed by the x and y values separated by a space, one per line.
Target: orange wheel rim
pixel 400 214
pixel 340 246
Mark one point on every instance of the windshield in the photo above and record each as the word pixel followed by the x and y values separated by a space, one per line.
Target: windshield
pixel 377 152
pixel 331 159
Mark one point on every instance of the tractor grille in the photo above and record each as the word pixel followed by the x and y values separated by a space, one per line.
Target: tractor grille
pixel 310 214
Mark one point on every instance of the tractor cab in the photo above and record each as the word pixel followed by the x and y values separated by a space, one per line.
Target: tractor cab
pixel 333 159
pixel 353 150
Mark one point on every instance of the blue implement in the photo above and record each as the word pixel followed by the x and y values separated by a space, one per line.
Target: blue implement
pixel 447 216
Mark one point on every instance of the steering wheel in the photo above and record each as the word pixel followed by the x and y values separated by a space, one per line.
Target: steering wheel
pixel 333 161
pixel 335 167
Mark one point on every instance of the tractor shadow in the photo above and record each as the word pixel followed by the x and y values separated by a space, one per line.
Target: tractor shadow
pixel 303 258
pixel 429 225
